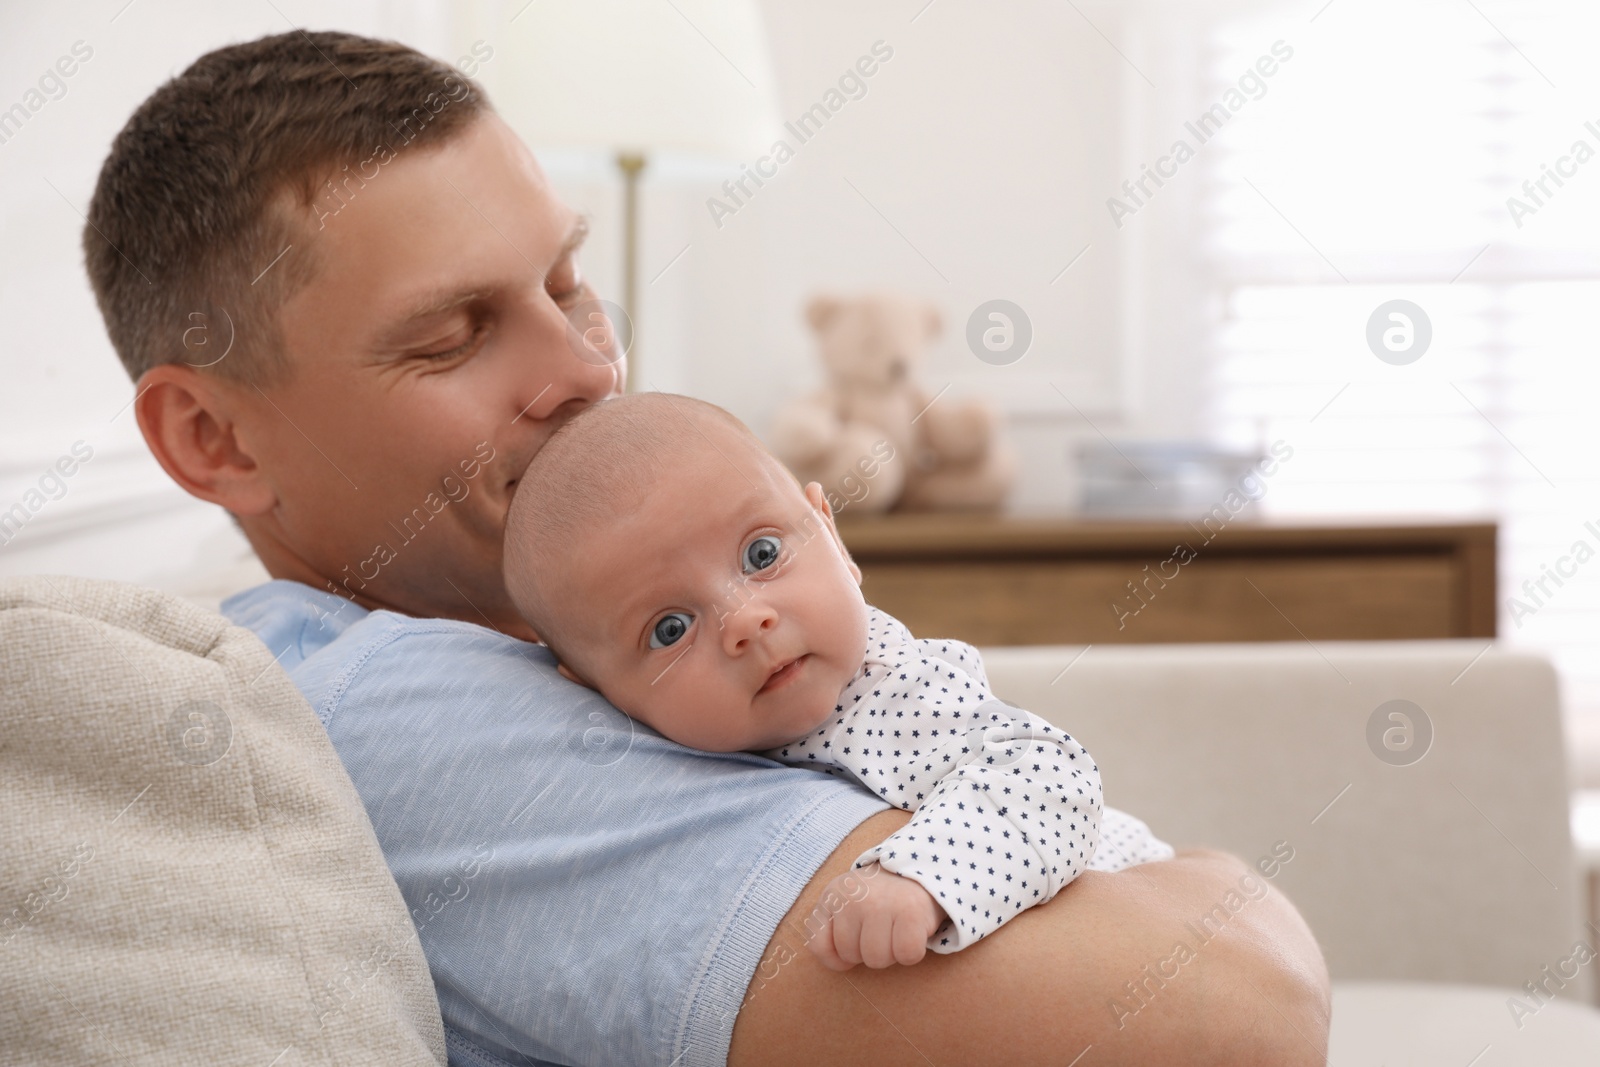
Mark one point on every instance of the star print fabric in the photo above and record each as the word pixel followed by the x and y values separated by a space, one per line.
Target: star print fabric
pixel 1007 809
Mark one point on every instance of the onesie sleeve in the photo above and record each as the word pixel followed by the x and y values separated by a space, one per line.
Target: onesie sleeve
pixel 1126 841
pixel 1006 808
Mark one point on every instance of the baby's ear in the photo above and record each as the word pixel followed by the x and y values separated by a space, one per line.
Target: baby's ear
pixel 819 502
pixel 570 676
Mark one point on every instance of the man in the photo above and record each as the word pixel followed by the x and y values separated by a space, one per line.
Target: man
pixel 384 289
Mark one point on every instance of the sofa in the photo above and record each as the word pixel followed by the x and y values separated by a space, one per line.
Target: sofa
pixel 1431 853
pixel 190 876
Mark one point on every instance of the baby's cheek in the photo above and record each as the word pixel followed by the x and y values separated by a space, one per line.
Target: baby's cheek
pixel 657 710
pixel 695 711
pixel 633 700
pixel 853 629
pixel 841 665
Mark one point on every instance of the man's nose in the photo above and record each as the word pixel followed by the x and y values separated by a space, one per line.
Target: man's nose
pixel 570 360
pixel 748 625
pixel 599 333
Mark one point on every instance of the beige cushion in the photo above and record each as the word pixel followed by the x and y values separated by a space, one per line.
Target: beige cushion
pixel 1437 1025
pixel 188 875
pixel 1456 867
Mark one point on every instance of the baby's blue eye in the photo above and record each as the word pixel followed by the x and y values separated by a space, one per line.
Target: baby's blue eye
pixel 762 553
pixel 670 629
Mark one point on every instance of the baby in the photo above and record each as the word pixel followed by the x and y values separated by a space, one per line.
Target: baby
pixel 668 560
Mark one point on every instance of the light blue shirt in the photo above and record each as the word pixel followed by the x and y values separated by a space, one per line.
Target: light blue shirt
pixel 585 891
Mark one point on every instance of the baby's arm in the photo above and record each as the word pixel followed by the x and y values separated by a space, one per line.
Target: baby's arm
pixel 1007 807
pixel 1012 816
pixel 1126 842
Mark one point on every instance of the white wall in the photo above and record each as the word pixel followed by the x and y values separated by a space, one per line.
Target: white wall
pixel 974 168
pixel 989 142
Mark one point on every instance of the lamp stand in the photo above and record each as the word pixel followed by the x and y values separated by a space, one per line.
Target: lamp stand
pixel 631 164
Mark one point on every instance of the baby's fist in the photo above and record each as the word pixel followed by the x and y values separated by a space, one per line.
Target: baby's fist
pixel 884 919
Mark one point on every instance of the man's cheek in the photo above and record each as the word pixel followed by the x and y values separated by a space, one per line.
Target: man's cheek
pixel 455 489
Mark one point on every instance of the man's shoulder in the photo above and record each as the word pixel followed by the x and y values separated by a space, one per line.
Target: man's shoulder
pixel 466 744
pixel 328 645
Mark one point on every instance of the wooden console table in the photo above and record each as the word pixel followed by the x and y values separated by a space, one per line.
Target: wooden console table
pixel 998 580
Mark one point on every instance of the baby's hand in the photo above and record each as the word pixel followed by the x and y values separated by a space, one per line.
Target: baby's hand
pixel 890 923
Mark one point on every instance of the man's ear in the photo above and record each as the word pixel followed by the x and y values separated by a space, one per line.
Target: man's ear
pixel 189 420
pixel 567 673
pixel 819 503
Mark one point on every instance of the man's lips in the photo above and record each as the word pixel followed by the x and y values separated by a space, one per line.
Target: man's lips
pixel 786 673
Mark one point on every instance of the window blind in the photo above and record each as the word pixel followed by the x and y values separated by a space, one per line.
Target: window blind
pixel 1407 153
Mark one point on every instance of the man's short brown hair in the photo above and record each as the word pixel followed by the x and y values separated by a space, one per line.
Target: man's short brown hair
pixel 227 165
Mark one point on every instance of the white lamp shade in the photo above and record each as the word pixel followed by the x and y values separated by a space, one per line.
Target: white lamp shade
pixel 689 76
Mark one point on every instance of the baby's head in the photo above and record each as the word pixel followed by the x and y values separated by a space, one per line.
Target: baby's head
pixel 672 563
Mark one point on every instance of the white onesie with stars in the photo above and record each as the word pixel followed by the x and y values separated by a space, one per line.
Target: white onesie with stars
pixel 1006 808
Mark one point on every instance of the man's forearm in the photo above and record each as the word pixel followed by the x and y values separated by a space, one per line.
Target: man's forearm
pixel 1260 990
pixel 1097 967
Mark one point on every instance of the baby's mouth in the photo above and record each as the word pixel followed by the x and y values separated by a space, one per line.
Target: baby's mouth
pixel 785 673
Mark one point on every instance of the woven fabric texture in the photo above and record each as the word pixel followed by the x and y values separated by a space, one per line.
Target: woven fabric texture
pixel 189 875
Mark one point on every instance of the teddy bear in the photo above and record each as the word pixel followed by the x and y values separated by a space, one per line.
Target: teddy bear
pixel 873 436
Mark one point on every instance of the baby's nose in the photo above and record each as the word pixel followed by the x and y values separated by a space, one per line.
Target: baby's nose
pixel 748 625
